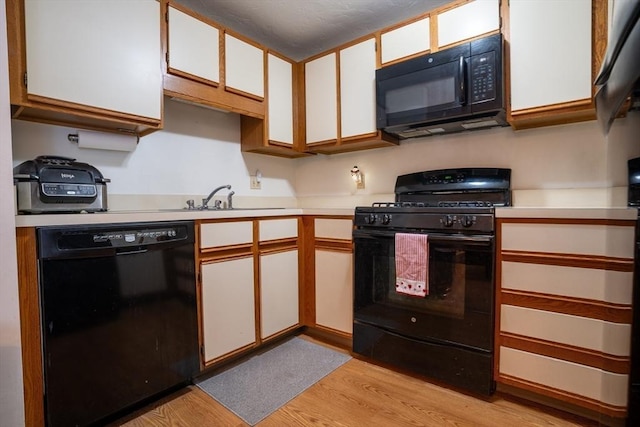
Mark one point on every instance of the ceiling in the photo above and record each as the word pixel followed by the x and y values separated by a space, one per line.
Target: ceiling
pixel 299 29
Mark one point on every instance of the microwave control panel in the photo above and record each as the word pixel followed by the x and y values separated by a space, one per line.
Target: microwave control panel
pixel 483 77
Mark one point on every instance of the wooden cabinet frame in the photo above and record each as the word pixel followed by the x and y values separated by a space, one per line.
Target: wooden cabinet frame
pixel 254 250
pixel 57 112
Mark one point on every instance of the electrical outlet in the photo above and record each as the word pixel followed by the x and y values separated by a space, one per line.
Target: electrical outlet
pixel 255 184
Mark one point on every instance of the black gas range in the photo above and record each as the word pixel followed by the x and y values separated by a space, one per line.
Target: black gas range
pixel 446 333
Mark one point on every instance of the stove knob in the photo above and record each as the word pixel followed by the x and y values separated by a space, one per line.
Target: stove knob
pixel 468 220
pixel 447 220
pixel 386 219
pixel 370 219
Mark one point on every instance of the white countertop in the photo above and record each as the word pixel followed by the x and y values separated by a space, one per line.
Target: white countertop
pixel 42 220
pixel 581 213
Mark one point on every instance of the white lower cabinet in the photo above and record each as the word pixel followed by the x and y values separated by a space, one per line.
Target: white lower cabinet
pixel 228 306
pixel 564 319
pixel 334 290
pixel 278 292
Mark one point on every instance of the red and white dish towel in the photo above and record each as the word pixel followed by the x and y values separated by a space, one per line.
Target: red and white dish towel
pixel 412 264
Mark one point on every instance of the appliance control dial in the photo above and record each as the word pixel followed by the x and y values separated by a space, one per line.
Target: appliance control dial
pixel 386 219
pixel 371 218
pixel 467 221
pixel 448 220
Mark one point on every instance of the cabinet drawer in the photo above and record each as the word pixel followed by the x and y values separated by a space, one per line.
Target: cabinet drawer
pixel 594 334
pixel 278 229
pixel 584 239
pixel 589 283
pixel 226 234
pixel 582 380
pixel 333 228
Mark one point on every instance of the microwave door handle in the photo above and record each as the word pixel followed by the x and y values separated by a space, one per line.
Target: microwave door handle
pixel 461 82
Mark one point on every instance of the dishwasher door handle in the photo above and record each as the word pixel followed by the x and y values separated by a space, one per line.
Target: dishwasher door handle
pixel 132 252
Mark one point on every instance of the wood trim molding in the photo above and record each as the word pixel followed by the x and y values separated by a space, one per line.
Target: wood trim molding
pixel 29 302
pixel 232 251
pixel 330 336
pixel 582 356
pixel 338 245
pixel 565 396
pixel 570 260
pixel 308 272
pixel 592 309
pixel 190 76
pixel 280 245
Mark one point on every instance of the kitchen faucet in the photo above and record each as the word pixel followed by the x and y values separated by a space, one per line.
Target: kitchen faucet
pixel 217 203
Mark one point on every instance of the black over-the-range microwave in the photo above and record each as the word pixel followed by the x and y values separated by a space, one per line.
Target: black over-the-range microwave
pixel 456 89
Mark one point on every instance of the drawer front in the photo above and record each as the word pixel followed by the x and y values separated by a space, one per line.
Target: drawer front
pixel 226 234
pixel 278 229
pixel 582 380
pixel 607 337
pixel 584 239
pixel 333 228
pixel 593 284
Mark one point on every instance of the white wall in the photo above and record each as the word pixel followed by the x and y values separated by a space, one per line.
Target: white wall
pixel 198 150
pixel 568 165
pixel 11 384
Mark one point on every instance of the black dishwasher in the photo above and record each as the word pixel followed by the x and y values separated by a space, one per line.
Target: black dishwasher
pixel 119 317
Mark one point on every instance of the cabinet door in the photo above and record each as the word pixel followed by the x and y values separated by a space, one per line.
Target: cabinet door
pixel 358 89
pixel 469 20
pixel 334 290
pixel 321 99
pixel 228 306
pixel 102 54
pixel 550 52
pixel 278 292
pixel 244 67
pixel 406 40
pixel 280 90
pixel 194 47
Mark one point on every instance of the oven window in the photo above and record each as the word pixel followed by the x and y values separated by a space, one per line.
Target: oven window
pixel 459 305
pixel 447 284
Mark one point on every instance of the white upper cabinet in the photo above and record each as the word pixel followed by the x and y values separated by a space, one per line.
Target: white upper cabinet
pixel 550 52
pixel 280 108
pixel 321 99
pixel 358 89
pixel 469 20
pixel 194 47
pixel 406 40
pixel 244 67
pixel 101 54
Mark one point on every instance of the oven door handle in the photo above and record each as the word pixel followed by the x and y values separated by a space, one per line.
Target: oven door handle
pixel 433 237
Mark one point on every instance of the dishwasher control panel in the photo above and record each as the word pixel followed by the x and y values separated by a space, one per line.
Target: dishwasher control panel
pixel 138 237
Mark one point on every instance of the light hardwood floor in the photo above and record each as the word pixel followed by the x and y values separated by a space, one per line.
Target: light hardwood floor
pixel 360 394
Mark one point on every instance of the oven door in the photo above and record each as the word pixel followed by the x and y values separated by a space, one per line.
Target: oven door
pixel 459 307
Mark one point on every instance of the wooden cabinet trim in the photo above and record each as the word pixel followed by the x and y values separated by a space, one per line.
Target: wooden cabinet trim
pixel 582 356
pixel 243 93
pixel 337 245
pixel 31 338
pixel 565 396
pixel 570 260
pixel 189 76
pixel 609 312
pixel 280 245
